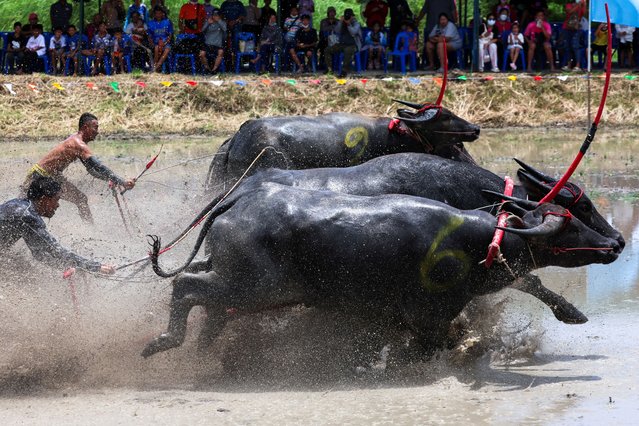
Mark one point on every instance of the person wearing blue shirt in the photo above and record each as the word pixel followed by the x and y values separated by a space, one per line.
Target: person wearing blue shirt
pixel 139 7
pixel 160 31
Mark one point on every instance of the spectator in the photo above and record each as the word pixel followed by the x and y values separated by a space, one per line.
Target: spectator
pixel 265 14
pixel 92 28
pixel 75 45
pixel 307 7
pixel 538 33
pixel 376 11
pixel 445 30
pixel 35 48
pixel 136 7
pixel 305 42
pixel 600 43
pixel 60 13
pixel 375 44
pixel 160 4
pixel 515 44
pixel 233 12
pixel 113 14
pixel 625 35
pixel 16 45
pixel 27 30
pixel 102 43
pixel 119 49
pixel 488 39
pixel 291 26
pixel 433 10
pixel 57 47
pixel 138 31
pixel 503 6
pixel 327 36
pixel 251 23
pixel 413 37
pixel 503 23
pixel 190 21
pixel 271 40
pixel 214 32
pixel 571 34
pixel 532 7
pixel 350 41
pixel 160 33
pixel 209 8
pixel 399 13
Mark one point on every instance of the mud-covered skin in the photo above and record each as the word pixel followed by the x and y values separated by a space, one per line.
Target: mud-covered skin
pixel 335 140
pixel 456 183
pixel 395 256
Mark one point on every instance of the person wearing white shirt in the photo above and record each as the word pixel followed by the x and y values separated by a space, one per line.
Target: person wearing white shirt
pixel 625 35
pixel 35 48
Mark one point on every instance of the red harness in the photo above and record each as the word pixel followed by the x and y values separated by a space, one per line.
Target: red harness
pixel 493 247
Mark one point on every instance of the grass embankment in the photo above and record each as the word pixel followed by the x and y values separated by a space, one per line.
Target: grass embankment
pixel 209 109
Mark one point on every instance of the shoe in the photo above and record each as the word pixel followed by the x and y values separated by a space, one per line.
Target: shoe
pixel 565 68
pixel 480 69
pixel 513 66
pixel 495 69
pixel 577 69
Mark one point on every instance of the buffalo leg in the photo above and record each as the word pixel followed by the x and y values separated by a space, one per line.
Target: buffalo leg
pixel 189 290
pixel 563 310
pixel 215 320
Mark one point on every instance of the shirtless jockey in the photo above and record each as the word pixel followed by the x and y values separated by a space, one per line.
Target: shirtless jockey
pixel 75 148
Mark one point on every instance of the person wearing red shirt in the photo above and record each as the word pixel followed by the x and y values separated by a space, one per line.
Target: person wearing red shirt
pixel 376 11
pixel 190 21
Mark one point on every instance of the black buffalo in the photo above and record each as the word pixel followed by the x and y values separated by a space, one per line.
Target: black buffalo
pixel 337 140
pixel 455 183
pixel 411 260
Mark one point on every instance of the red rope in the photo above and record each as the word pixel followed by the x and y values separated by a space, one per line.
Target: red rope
pixel 593 129
pixel 493 247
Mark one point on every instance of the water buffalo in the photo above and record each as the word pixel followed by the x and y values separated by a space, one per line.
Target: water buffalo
pixel 338 140
pixel 455 183
pixel 409 259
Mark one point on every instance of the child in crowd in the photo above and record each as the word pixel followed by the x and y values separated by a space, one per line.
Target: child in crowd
pixel 600 43
pixel 625 35
pixel 36 47
pixel 16 45
pixel 515 44
pixel 57 46
pixel 375 44
pixel 101 45
pixel 73 47
pixel 118 51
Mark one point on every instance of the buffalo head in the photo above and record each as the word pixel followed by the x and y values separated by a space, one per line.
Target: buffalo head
pixel 436 125
pixel 555 236
pixel 570 196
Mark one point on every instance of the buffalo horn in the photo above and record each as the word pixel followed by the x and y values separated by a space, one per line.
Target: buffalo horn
pixel 550 226
pixel 534 172
pixel 409 104
pixel 527 204
pixel 408 120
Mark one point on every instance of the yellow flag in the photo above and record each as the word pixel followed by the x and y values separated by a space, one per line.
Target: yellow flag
pixel 166 83
pixel 512 77
pixel 57 86
pixel 341 81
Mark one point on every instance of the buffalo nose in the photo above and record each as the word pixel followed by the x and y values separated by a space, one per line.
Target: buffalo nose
pixel 621 241
pixel 476 131
pixel 616 247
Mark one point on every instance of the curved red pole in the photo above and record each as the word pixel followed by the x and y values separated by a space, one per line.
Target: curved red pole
pixel 593 128
pixel 445 78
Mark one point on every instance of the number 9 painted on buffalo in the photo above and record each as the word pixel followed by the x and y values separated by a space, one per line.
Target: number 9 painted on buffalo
pixel 357 136
pixel 433 257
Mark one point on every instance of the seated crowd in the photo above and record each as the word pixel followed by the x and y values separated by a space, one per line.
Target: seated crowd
pixel 515 34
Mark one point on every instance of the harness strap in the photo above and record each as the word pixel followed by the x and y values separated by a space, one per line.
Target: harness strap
pixel 493 247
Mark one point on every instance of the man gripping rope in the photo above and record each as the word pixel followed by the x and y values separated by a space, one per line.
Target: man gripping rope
pixel 22 218
pixel 75 148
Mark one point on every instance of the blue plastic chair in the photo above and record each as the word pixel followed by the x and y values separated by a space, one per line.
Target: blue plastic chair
pixel 4 37
pixel 211 59
pixel 402 52
pixel 301 55
pixel 340 61
pixel 277 58
pixel 522 55
pixel 365 53
pixel 246 37
pixel 177 56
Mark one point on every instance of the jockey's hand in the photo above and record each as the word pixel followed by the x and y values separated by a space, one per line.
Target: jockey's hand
pixel 129 184
pixel 107 269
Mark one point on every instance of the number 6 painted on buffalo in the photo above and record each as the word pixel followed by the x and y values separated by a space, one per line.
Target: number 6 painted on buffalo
pixel 433 258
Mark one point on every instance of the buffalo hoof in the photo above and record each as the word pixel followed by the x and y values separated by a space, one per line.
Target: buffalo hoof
pixel 163 342
pixel 569 314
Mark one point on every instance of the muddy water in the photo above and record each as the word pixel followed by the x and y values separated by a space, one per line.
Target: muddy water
pixel 66 363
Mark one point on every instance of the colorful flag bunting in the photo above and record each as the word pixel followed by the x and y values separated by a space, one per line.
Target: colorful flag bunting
pixel 266 82
pixel 512 77
pixel 489 78
pixel 9 88
pixel 240 83
pixel 387 79
pixel 141 84
pixel 630 77
pixel 57 86
pixel 438 81
pixel 315 81
pixel 537 78
pixel 415 80
pixel 217 83
pixel 340 81
pixel 166 83
pixel 462 77
pixel 364 81
pixel 115 86
pixel 191 83
pixel 291 81
pixel 92 86
pixel 562 77
pixel 33 87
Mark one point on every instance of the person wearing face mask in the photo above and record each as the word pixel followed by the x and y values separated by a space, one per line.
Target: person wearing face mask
pixel 503 23
pixel 571 33
pixel 503 5
pixel 488 39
